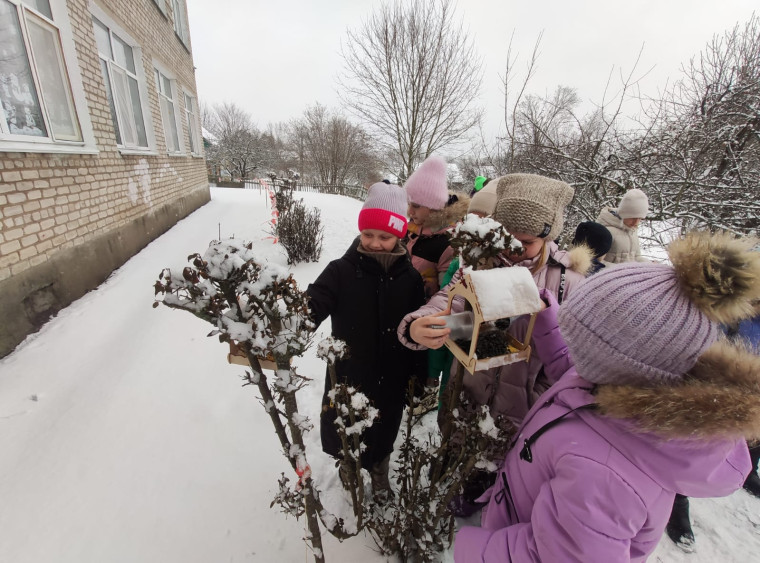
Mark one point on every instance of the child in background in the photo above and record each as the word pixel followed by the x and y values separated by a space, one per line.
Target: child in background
pixel 366 293
pixel 482 204
pixel 531 208
pixel 478 184
pixel 623 224
pixel 597 238
pixel 649 403
pixel 433 211
pixel 432 214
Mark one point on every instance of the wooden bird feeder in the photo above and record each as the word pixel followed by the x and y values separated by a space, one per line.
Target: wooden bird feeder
pixel 238 357
pixel 492 295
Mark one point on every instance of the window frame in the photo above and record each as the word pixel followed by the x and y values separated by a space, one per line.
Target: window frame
pixel 139 74
pixel 192 116
pixel 161 5
pixel 68 65
pixel 161 71
pixel 180 23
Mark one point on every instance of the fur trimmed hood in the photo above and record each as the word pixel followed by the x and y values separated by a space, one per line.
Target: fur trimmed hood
pixel 651 432
pixel 441 219
pixel 719 397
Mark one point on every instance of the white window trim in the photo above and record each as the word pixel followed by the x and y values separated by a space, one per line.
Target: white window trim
pixel 181 150
pixel 183 21
pixel 73 72
pixel 199 140
pixel 161 5
pixel 142 81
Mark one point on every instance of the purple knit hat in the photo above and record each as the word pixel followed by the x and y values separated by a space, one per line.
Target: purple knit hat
pixel 427 186
pixel 634 325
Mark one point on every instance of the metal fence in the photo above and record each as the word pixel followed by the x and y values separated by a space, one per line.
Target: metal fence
pixel 356 192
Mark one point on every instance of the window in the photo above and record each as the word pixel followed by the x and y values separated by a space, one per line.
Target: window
pixel 180 21
pixel 191 114
pixel 166 97
pixel 122 82
pixel 36 101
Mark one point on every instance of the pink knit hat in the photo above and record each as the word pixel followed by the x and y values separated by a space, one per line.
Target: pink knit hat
pixel 427 186
pixel 384 209
pixel 634 324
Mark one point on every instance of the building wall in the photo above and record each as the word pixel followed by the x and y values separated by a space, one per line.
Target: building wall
pixel 68 220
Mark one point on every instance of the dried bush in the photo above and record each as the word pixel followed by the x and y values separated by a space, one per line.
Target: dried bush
pixel 300 231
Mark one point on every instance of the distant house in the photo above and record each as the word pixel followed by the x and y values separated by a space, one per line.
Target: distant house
pixel 454 176
pixel 100 145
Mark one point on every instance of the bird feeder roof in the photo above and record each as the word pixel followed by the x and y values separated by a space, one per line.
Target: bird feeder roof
pixel 504 292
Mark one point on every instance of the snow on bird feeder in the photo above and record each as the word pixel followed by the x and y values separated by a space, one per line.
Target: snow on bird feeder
pixel 493 295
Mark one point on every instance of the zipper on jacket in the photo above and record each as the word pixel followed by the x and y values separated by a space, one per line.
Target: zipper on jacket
pixel 504 494
pixel 525 453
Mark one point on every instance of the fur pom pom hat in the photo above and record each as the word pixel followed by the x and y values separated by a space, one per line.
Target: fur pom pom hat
pixel 427 186
pixel 384 209
pixel 643 324
pixel 531 204
pixel 634 205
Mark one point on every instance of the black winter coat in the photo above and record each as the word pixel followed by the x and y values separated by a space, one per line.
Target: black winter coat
pixel 366 305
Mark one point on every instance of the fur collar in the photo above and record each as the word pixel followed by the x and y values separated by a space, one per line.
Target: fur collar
pixel 440 219
pixel 580 258
pixel 718 397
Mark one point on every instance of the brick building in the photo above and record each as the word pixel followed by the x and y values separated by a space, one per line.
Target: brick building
pixel 100 145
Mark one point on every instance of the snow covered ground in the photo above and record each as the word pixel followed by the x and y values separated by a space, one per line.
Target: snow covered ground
pixel 127 438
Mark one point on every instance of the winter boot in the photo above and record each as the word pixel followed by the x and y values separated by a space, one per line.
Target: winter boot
pixel 752 483
pixel 679 526
pixel 381 484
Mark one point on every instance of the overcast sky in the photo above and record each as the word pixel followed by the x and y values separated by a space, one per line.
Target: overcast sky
pixel 274 58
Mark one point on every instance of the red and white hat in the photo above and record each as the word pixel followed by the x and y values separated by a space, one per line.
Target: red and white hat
pixel 384 209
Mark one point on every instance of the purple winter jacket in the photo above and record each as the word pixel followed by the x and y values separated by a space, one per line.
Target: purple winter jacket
pixel 596 489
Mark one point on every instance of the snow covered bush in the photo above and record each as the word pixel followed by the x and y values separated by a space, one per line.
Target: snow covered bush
pixel 259 310
pixel 479 240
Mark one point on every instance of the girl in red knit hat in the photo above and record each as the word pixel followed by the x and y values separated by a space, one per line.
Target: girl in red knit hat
pixel 366 293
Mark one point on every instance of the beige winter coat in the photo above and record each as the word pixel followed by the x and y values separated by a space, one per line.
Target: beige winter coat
pixel 625 240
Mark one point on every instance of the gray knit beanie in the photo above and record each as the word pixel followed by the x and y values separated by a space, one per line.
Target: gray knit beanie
pixel 532 204
pixel 384 209
pixel 634 205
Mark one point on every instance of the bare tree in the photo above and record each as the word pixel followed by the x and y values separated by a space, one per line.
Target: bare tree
pixel 336 150
pixel 701 157
pixel 239 148
pixel 412 74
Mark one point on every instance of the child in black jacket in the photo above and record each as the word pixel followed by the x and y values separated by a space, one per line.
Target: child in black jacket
pixel 366 293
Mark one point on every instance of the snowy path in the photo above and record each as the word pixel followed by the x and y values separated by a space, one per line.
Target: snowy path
pixel 126 438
